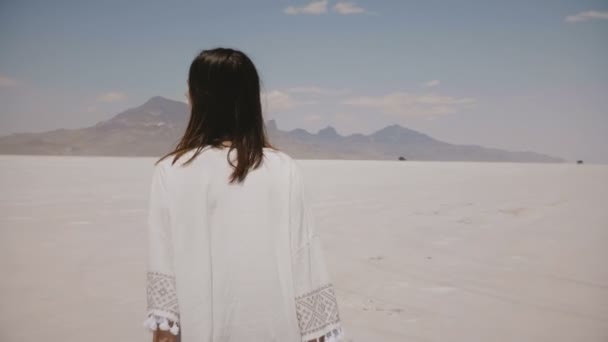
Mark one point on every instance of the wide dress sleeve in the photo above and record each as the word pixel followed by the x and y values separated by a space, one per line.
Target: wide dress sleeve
pixel 162 309
pixel 315 298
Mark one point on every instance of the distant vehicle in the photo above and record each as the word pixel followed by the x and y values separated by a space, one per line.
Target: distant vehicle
pixel 402 158
pixel 579 162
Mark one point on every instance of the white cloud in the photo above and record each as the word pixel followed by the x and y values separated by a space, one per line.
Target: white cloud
pixel 345 7
pixel 277 101
pixel 112 96
pixel 315 7
pixel 280 101
pixel 407 104
pixel 431 83
pixel 317 90
pixel 587 16
pixel 6 81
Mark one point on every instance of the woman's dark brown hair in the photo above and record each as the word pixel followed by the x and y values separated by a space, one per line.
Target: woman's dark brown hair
pixel 224 89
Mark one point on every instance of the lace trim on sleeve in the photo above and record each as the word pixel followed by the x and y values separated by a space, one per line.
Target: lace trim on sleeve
pixel 318 314
pixel 162 302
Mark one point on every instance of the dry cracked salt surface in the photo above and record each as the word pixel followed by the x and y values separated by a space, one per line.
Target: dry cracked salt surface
pixel 418 251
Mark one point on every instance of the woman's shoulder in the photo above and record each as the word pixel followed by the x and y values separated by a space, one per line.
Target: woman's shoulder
pixel 281 156
pixel 277 158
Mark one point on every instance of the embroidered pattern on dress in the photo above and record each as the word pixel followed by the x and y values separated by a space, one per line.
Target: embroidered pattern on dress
pixel 161 292
pixel 317 309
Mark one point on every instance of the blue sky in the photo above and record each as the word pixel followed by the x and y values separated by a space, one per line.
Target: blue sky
pixel 520 75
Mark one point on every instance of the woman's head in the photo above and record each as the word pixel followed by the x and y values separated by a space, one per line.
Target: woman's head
pixel 224 98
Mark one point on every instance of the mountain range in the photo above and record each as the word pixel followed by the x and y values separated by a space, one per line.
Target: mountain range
pixel 156 126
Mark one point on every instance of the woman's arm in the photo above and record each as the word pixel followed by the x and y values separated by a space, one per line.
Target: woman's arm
pixel 319 322
pixel 162 309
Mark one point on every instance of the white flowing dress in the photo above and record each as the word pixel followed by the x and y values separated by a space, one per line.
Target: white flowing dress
pixel 236 262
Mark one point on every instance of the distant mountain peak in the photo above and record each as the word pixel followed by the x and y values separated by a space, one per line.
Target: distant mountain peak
pixel 397 133
pixel 301 132
pixel 394 128
pixel 157 98
pixel 158 111
pixel 328 133
pixel 159 101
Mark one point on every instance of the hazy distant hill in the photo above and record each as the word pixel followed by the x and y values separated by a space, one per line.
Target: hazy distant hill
pixel 154 127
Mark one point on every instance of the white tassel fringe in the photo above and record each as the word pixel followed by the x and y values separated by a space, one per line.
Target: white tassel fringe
pixel 174 329
pixel 164 325
pixel 154 322
pixel 335 335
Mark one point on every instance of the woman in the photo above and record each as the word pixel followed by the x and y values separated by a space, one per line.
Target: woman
pixel 233 251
